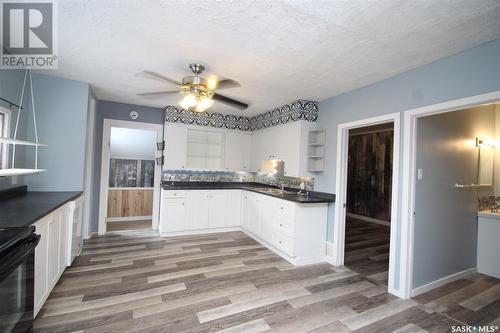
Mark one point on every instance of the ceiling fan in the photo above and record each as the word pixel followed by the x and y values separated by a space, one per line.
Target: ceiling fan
pixel 199 93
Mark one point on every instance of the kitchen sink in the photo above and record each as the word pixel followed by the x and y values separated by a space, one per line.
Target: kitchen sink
pixel 273 191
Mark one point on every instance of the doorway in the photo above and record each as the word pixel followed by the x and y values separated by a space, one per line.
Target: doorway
pixel 368 204
pixel 343 240
pixel 130 176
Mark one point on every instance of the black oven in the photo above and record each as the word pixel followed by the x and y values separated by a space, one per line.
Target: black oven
pixel 17 255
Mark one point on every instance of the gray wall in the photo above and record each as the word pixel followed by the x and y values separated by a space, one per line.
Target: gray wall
pixel 61 114
pixel 119 111
pixel 445 217
pixel 472 72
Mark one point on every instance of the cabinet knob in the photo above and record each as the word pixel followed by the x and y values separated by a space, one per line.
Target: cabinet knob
pixel 280 242
pixel 281 208
pixel 281 224
pixel 183 203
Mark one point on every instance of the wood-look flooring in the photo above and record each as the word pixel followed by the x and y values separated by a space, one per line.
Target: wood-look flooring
pixel 138 282
pixel 128 225
pixel 367 249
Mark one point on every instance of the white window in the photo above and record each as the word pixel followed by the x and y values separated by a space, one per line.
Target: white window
pixel 4 133
pixel 205 149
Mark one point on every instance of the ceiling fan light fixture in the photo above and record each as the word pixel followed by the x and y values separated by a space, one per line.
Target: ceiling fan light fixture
pixel 189 101
pixel 204 103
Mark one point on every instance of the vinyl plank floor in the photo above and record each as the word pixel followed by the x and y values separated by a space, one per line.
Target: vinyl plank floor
pixel 135 281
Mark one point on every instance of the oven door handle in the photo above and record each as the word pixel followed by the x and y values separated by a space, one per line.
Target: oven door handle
pixel 18 255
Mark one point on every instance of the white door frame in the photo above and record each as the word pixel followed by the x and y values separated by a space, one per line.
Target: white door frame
pixel 409 176
pixel 341 190
pixel 103 198
pixel 89 167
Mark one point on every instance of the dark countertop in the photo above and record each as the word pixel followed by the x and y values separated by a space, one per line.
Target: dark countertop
pixel 290 194
pixel 21 208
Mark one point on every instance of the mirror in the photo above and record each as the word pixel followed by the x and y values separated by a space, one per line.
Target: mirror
pixel 485 167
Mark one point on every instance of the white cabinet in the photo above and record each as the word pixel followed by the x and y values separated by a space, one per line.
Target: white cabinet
pixel 175 146
pixel 51 253
pixel 198 202
pixel 279 142
pixel 237 151
pixel 297 232
pixel 195 210
pixel 173 214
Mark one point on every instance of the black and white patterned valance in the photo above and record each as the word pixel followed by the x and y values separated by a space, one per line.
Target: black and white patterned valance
pixel 298 110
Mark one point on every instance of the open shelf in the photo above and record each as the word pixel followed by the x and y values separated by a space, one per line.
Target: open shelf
pixel 316 150
pixel 21 142
pixel 19 172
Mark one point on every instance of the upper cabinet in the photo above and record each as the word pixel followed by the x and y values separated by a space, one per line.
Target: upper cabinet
pixel 175 146
pixel 279 142
pixel 238 146
pixel 195 147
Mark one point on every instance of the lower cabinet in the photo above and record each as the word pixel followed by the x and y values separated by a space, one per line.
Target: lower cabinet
pixel 194 210
pixel 295 231
pixel 51 253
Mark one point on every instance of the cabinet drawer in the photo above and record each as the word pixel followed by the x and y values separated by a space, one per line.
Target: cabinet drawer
pixel 285 211
pixel 285 226
pixel 169 194
pixel 283 242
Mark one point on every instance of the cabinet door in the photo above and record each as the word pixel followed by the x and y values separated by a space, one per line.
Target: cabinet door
pixel 54 247
pixel 237 151
pixel 219 209
pixel 175 146
pixel 65 238
pixel 254 214
pixel 245 210
pixel 41 264
pixel 268 212
pixel 198 205
pixel 174 215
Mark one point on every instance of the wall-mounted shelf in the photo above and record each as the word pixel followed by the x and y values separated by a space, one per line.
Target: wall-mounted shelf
pixel 19 172
pixel 21 142
pixel 470 186
pixel 316 150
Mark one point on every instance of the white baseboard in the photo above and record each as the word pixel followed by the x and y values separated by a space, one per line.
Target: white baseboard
pixel 369 219
pixel 128 218
pixel 199 232
pixel 441 282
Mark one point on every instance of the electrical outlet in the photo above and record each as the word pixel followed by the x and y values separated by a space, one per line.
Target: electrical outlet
pixel 420 174
pixel 14 180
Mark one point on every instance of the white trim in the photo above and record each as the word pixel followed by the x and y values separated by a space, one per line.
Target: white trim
pixel 89 168
pixel 130 188
pixel 369 219
pixel 341 190
pixel 409 175
pixel 199 231
pixel 6 129
pixel 441 282
pixel 103 198
pixel 128 218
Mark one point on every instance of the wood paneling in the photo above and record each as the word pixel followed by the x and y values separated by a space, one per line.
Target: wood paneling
pixel 130 202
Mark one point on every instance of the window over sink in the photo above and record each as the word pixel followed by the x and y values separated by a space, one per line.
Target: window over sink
pixel 205 149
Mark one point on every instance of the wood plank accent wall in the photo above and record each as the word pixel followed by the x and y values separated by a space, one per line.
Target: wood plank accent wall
pixel 130 202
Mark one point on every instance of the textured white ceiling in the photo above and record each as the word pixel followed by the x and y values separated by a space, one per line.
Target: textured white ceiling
pixel 278 50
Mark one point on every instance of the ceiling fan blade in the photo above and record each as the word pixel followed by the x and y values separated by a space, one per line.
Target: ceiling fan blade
pixel 227 83
pixel 229 101
pixel 156 93
pixel 163 77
